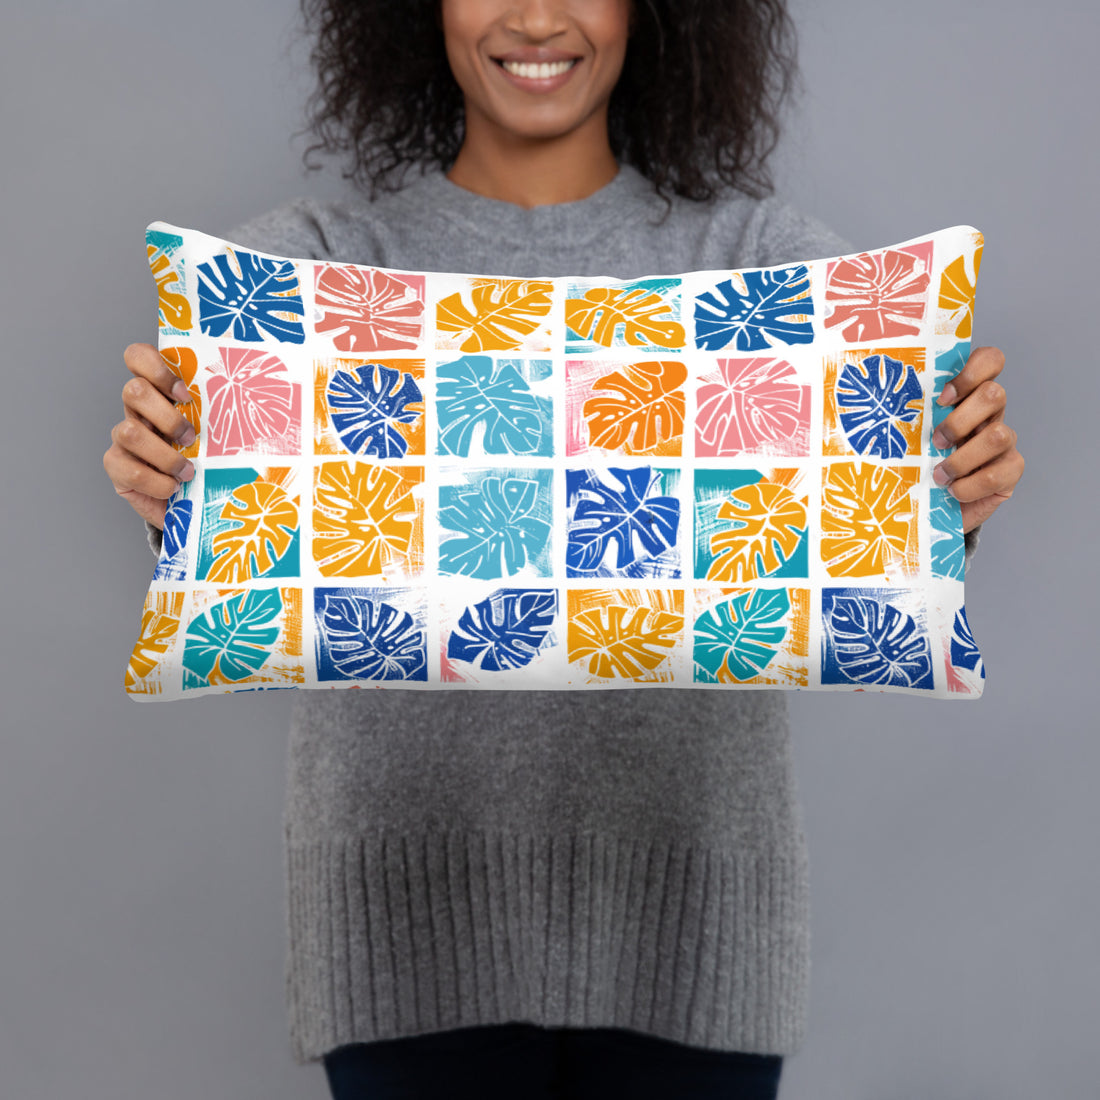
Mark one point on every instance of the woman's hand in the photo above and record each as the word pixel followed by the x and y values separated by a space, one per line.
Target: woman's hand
pixel 985 467
pixel 142 461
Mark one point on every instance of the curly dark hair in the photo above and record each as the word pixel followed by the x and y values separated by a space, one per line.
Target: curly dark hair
pixel 696 107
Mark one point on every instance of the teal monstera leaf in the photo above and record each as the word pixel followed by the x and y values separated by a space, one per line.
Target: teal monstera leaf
pixel 234 637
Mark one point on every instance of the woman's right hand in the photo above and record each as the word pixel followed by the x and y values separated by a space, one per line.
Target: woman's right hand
pixel 142 461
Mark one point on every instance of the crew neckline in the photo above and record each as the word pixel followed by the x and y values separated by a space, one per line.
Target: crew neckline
pixel 567 222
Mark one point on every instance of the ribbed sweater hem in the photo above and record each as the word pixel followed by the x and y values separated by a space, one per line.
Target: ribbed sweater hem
pixel 393 934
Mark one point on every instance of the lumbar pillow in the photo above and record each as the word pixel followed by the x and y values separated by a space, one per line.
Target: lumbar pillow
pixel 716 479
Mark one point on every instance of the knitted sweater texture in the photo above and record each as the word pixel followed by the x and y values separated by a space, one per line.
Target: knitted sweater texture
pixel 630 858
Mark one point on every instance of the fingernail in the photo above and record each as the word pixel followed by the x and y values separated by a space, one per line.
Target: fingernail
pixel 187 436
pixel 187 472
pixel 940 476
pixel 180 392
pixel 949 395
pixel 951 490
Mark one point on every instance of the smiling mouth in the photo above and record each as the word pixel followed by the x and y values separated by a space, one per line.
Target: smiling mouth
pixel 536 70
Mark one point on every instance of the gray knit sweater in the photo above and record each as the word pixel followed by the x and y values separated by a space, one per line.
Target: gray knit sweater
pixel 628 859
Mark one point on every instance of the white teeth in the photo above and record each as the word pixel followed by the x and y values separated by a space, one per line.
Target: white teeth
pixel 538 72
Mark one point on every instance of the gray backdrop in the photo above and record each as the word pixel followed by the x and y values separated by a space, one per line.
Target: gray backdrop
pixel 953 845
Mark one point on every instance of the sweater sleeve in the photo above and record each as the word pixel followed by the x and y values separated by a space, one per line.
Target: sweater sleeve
pixel 784 234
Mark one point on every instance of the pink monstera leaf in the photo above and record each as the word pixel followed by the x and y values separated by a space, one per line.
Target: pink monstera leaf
pixel 756 408
pixel 877 294
pixel 365 309
pixel 253 403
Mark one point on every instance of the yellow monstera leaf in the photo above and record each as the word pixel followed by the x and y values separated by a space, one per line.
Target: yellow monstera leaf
pixel 767 520
pixel 160 621
pixel 504 312
pixel 266 520
pixel 613 645
pixel 866 519
pixel 603 308
pixel 957 293
pixel 362 519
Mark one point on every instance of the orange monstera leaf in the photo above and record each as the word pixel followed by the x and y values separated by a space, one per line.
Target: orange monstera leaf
pixel 596 316
pixel 185 363
pixel 175 310
pixel 504 312
pixel 160 620
pixel 643 407
pixel 363 519
pixel 266 520
pixel 768 520
pixel 867 519
pixel 613 645
pixel 957 293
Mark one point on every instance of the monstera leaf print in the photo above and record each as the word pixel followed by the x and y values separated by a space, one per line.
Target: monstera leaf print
pixel 363 519
pixel 615 527
pixel 265 520
pixel 172 564
pixel 948 541
pixel 231 640
pixel 250 298
pixel 874 642
pixel 736 639
pixel 873 397
pixel 252 402
pixel 175 310
pixel 185 364
pixel 755 310
pixel 877 294
pixel 866 519
pixel 616 640
pixel 756 408
pixel 638 309
pixel 504 631
pixel 160 621
pixel 370 640
pixel 964 650
pixel 957 294
pixel 641 407
pixel 504 312
pixel 768 522
pixel 475 392
pixel 366 309
pixel 497 525
pixel 366 403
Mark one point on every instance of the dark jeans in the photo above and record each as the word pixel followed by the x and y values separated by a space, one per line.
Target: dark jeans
pixel 526 1062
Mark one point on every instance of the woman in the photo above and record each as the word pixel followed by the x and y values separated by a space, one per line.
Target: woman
pixel 500 894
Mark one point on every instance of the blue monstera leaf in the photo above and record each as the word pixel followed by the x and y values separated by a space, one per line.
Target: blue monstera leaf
pixel 876 643
pixel 873 397
pixel 366 405
pixel 498 527
pixel 633 522
pixel 364 639
pixel 964 650
pixel 504 631
pixel 948 552
pixel 948 365
pixel 246 293
pixel 742 633
pixel 776 308
pixel 234 636
pixel 172 565
pixel 476 392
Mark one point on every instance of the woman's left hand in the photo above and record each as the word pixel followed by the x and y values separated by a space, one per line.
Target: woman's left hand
pixel 985 466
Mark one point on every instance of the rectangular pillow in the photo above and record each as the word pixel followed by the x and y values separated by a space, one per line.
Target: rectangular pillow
pixel 716 479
